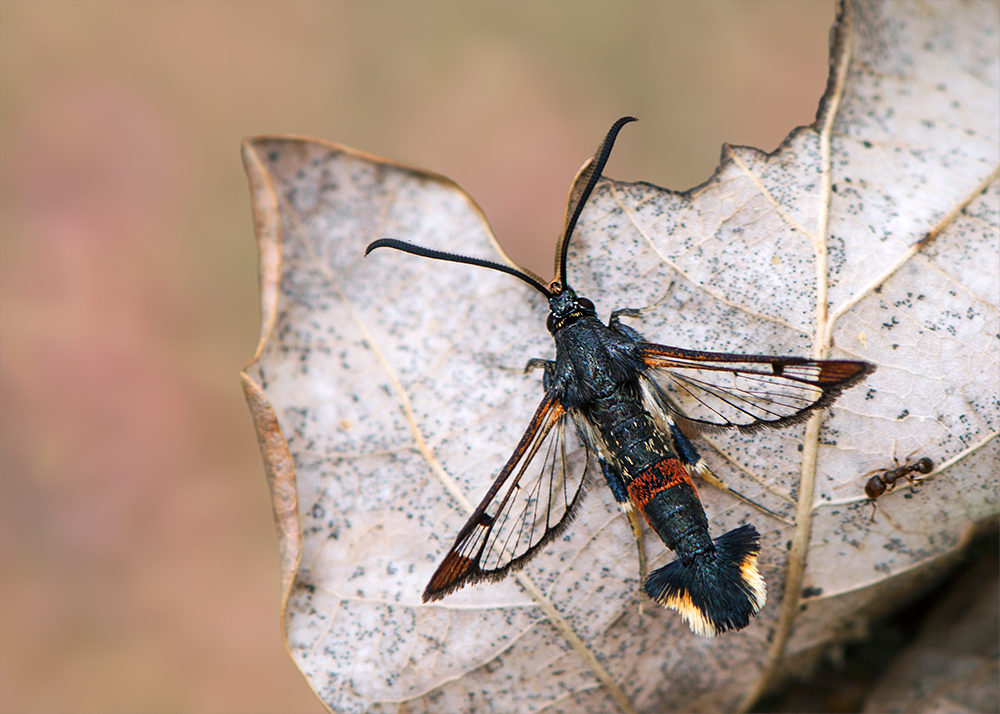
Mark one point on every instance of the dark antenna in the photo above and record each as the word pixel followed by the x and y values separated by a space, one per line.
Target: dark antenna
pixel 578 198
pixel 593 175
pixel 453 258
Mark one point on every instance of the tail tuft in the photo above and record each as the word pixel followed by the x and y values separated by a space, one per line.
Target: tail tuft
pixel 717 591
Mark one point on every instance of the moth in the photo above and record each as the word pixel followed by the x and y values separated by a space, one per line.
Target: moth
pixel 617 395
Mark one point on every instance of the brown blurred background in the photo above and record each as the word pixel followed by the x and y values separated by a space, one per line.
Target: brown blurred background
pixel 138 565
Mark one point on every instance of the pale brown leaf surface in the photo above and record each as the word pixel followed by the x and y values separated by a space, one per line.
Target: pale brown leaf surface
pixel 397 389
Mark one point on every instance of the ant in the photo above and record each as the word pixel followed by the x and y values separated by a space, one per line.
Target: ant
pixel 885 479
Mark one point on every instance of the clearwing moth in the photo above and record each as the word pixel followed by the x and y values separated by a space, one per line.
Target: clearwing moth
pixel 621 395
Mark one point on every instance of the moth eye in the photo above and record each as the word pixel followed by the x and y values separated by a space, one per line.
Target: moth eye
pixel 550 322
pixel 586 304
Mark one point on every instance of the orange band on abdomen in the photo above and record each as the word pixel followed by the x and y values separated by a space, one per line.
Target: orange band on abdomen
pixel 657 478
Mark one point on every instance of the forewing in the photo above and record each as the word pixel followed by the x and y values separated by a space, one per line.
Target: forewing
pixel 532 499
pixel 712 390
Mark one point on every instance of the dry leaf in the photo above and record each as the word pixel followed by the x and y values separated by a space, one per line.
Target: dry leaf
pixel 388 390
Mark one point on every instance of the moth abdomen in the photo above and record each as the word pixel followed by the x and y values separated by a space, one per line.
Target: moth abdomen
pixel 715 586
pixel 717 590
pixel 667 498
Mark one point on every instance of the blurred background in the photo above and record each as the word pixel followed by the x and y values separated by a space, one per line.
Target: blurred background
pixel 138 563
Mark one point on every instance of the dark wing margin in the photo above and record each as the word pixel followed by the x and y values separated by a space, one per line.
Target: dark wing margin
pixel 532 500
pixel 709 391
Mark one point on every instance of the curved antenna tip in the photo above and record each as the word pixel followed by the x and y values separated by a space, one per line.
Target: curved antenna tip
pixel 381 242
pixel 592 174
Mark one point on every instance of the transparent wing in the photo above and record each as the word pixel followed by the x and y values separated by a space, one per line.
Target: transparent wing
pixel 712 390
pixel 532 499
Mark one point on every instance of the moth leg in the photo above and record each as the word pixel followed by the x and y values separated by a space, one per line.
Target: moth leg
pixel 536 362
pixel 616 316
pixel 633 523
pixel 615 323
pixel 548 378
pixel 617 485
pixel 693 460
pixel 686 451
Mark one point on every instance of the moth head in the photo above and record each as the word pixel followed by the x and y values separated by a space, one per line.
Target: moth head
pixel 566 308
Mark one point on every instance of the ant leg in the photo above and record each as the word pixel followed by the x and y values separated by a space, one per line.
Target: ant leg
pixel 914 482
